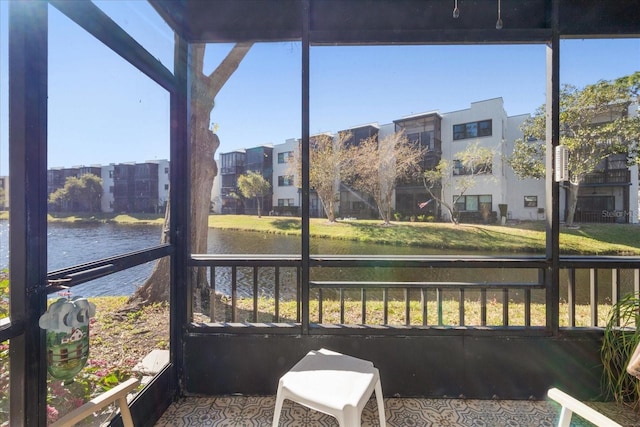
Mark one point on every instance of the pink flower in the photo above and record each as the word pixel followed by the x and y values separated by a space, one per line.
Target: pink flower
pixel 98 363
pixel 102 372
pixel 57 389
pixel 52 414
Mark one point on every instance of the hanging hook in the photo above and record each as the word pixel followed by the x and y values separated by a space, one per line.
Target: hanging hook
pixel 456 11
pixel 499 21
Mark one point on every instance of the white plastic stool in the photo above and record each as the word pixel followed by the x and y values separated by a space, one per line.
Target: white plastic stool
pixel 332 383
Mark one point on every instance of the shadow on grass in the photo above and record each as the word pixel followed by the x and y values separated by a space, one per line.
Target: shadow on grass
pixel 222 311
pixel 287 224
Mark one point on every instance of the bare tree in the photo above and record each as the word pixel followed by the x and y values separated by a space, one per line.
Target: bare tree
pixel 458 177
pixel 327 157
pixel 204 143
pixel 376 166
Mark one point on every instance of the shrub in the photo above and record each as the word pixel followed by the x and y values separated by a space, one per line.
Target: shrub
pixel 621 337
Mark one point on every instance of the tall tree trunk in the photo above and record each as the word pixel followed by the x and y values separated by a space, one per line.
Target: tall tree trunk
pixel 330 211
pixel 204 144
pixel 572 203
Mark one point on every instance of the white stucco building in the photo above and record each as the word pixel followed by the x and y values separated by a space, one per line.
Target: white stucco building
pixel 610 194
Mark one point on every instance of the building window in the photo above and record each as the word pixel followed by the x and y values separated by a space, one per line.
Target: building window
pixel 285 202
pixel 111 173
pixel 166 170
pixel 111 189
pixel 166 186
pixel 285 180
pixel 425 139
pixel 472 129
pixel 530 201
pixel 285 156
pixel 475 203
pixel 480 169
pixel 357 206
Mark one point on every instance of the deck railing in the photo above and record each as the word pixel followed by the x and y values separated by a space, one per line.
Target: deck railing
pixel 413 292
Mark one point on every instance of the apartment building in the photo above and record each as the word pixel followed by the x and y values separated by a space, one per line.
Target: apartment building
pixel 225 196
pixel 426 130
pixel 56 178
pixel 609 194
pixel 286 194
pixel 483 124
pixel 4 193
pixel 354 204
pixel 127 187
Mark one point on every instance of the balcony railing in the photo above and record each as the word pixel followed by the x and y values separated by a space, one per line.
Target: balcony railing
pixel 414 294
pixel 612 176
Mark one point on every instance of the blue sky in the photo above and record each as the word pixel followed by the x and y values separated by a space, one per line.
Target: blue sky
pixel 102 110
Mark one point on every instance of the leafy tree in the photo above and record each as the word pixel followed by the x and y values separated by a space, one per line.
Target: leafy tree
pixel 375 167
pixel 594 124
pixel 253 185
pixel 327 157
pixel 204 143
pixel 82 194
pixel 469 165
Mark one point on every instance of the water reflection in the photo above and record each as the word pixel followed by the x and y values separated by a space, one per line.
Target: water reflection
pixel 72 244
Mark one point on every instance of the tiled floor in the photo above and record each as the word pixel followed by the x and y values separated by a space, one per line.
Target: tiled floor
pixel 252 411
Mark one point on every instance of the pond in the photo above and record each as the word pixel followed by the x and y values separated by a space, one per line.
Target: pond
pixel 72 244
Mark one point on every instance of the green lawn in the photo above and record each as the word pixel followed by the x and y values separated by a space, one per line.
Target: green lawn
pixel 588 239
pixel 524 237
pixel 450 312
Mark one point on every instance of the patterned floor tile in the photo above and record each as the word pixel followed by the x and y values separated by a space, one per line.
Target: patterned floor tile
pixel 254 411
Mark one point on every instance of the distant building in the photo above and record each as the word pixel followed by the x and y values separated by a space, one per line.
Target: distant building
pixel 286 195
pixel 230 167
pixel 260 160
pixel 57 177
pixel 352 202
pixel 127 187
pixel 426 130
pixel 4 193
pixel 484 124
pixel 609 194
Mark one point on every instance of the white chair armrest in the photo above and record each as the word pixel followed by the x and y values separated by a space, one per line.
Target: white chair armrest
pixel 118 393
pixel 572 405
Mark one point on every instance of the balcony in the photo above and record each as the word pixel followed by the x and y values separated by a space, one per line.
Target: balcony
pixel 609 177
pixel 488 345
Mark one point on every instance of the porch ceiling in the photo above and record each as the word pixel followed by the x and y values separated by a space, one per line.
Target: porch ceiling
pixel 398 21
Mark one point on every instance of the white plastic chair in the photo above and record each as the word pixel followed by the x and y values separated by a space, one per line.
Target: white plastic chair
pixel 571 405
pixel 117 393
pixel 331 383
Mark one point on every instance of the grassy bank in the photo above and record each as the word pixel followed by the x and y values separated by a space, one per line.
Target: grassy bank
pixel 132 219
pixel 524 237
pixel 127 219
pixel 397 311
pixel 591 239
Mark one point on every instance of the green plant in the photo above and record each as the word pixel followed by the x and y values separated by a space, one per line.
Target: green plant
pixel 397 216
pixel 4 293
pixel 621 337
pixel 96 378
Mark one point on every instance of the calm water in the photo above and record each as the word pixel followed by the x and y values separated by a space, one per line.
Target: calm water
pixel 72 244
